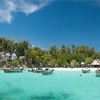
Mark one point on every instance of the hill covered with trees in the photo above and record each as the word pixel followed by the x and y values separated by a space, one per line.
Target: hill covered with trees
pixel 53 56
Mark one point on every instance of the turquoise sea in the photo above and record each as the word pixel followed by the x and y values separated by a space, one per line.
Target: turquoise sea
pixel 61 85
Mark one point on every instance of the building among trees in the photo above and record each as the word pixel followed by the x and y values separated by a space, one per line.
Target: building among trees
pixel 96 63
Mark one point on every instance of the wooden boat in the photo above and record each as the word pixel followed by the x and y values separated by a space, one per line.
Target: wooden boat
pixel 30 70
pixel 47 71
pixel 37 70
pixel 98 72
pixel 86 70
pixel 12 70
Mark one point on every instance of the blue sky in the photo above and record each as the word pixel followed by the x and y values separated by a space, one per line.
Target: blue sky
pixel 45 23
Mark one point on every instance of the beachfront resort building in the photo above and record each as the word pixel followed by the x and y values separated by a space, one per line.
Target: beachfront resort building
pixel 82 64
pixel 95 63
pixel 4 57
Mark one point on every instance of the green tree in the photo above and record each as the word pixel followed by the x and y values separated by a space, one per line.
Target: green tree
pixel 15 62
pixel 77 49
pixel 68 50
pixel 80 57
pixel 53 62
pixel 92 51
pixel 73 48
pixel 54 51
pixel 88 60
pixel 21 47
pixel 62 60
pixel 82 49
pixel 47 58
pixel 28 58
pixel 71 57
pixel 86 51
pixel 4 43
pixel 63 49
pixel 36 55
pixel 74 62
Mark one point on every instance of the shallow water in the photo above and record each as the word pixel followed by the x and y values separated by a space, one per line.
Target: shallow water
pixel 61 85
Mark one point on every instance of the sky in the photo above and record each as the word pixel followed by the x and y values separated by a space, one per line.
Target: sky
pixel 45 23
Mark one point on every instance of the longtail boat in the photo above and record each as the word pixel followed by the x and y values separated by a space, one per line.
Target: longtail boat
pixel 12 70
pixel 30 70
pixel 37 70
pixel 47 71
pixel 86 70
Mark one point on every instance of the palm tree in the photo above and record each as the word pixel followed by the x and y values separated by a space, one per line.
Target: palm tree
pixel 68 50
pixel 73 48
pixel 63 49
pixel 77 49
pixel 86 51
pixel 0 44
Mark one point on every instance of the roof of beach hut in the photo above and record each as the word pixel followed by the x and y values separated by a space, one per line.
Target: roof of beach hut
pixel 82 63
pixel 2 59
pixel 2 55
pixel 8 54
pixel 13 54
pixel 95 62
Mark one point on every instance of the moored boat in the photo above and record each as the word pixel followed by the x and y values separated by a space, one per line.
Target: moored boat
pixel 98 72
pixel 37 70
pixel 86 70
pixel 47 71
pixel 30 70
pixel 12 70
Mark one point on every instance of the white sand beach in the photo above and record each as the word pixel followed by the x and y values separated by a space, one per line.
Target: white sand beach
pixel 71 69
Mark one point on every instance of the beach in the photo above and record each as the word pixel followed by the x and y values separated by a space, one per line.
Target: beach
pixel 71 69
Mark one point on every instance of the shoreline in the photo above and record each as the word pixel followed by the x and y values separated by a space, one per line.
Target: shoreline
pixel 68 69
pixel 71 69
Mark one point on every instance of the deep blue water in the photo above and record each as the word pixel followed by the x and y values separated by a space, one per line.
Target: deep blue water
pixel 61 85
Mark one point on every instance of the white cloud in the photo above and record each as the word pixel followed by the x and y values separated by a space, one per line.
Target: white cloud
pixel 97 2
pixel 8 7
pixel 26 6
pixel 5 14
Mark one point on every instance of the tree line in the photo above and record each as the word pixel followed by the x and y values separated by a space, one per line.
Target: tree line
pixel 54 56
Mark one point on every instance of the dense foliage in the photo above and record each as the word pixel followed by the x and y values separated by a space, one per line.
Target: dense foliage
pixel 15 63
pixel 53 56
